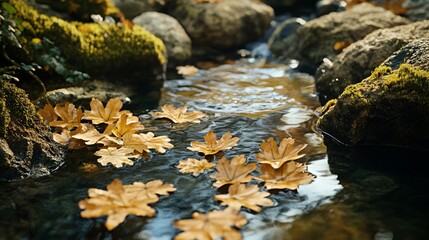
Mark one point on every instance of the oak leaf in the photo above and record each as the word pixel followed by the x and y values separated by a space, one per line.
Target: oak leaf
pixel 115 203
pixel 213 146
pixel 99 114
pixel 289 176
pixel 234 172
pixel 66 138
pixel 127 124
pixel 277 156
pixel 91 136
pixel 159 143
pixel 194 166
pixel 187 71
pixel 213 225
pixel 149 192
pixel 69 115
pixel 48 113
pixel 178 115
pixel 247 196
pixel 117 157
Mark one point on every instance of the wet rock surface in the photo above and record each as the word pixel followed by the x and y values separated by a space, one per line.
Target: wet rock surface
pixel 134 8
pixel 415 53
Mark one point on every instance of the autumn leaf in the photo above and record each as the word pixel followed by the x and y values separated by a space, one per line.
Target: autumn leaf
pixel 66 138
pixel 127 124
pixel 247 196
pixel 194 166
pixel 48 114
pixel 289 176
pixel 213 225
pixel 276 156
pixel 178 115
pixel 159 143
pixel 99 114
pixel 91 136
pixel 149 191
pixel 234 172
pixel 187 71
pixel 340 45
pixel 115 203
pixel 117 157
pixel 213 146
pixel 70 117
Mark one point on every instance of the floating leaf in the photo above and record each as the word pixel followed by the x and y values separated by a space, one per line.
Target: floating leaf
pixel 159 143
pixel 66 138
pixel 289 176
pixel 194 166
pixel 187 71
pixel 234 172
pixel 48 114
pixel 178 115
pixel 69 115
pixel 127 124
pixel 149 191
pixel 117 157
pixel 276 156
pixel 213 225
pixel 247 196
pixel 212 146
pixel 99 114
pixel 91 136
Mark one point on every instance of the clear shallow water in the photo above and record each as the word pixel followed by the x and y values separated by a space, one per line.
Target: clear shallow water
pixel 254 104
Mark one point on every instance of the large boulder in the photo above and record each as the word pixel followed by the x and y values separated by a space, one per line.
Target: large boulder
pixel 26 145
pixel 223 24
pixel 358 60
pixel 325 37
pixel 169 30
pixel 133 8
pixel 389 108
pixel 415 53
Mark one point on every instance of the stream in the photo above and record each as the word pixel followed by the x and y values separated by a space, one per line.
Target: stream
pixel 254 103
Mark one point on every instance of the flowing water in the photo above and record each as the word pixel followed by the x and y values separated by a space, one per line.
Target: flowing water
pixel 254 103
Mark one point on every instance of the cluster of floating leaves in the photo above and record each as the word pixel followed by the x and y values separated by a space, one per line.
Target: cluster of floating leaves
pixel 121 141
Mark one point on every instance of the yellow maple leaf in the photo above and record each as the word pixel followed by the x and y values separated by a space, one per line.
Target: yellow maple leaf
pixel 234 172
pixel 48 114
pixel 117 157
pixel 69 115
pixel 194 166
pixel 247 196
pixel 91 136
pixel 159 143
pixel 149 192
pixel 213 225
pixel 213 146
pixel 99 114
pixel 289 176
pixel 187 71
pixel 276 156
pixel 178 115
pixel 127 124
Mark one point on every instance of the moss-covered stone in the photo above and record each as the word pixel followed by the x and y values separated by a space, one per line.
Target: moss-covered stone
pixel 388 108
pixel 97 48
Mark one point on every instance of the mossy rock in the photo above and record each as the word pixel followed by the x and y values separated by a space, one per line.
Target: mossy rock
pixel 389 108
pixel 26 145
pixel 95 48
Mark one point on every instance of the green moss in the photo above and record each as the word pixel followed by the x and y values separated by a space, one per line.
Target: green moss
pixel 4 117
pixel 93 47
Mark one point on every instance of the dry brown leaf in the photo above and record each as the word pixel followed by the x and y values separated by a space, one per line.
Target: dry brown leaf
pixel 277 156
pixel 148 192
pixel 159 143
pixel 117 157
pixel 178 115
pixel 187 71
pixel 213 225
pixel 194 166
pixel 48 114
pixel 116 203
pixel 127 124
pixel 289 176
pixel 240 195
pixel 212 146
pixel 66 138
pixel 234 172
pixel 70 117
pixel 91 136
pixel 109 115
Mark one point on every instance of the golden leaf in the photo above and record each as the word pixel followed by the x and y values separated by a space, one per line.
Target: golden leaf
pixel 159 143
pixel 48 114
pixel 213 225
pixel 194 166
pixel 340 45
pixel 66 138
pixel 234 172
pixel 247 196
pixel 288 176
pixel 212 146
pixel 276 156
pixel 70 117
pixel 178 115
pixel 99 114
pixel 187 70
pixel 117 157
pixel 91 136
pixel 127 124
pixel 149 191
pixel 116 203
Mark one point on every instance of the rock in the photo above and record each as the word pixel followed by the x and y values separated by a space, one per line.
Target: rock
pixel 389 108
pixel 414 53
pixel 418 10
pixel 279 3
pixel 224 24
pixel 133 8
pixel 358 60
pixel 325 37
pixel 169 30
pixel 324 7
pixel 26 145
